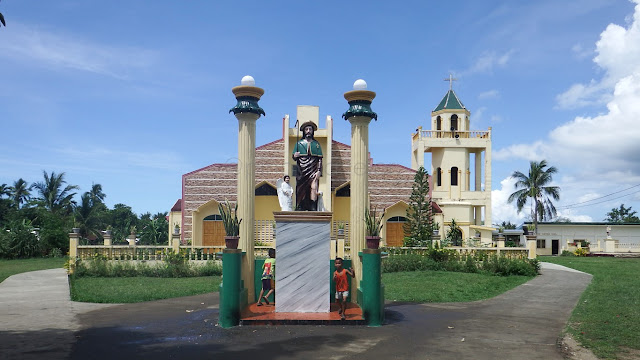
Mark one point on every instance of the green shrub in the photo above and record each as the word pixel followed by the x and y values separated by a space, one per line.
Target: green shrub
pixel 98 266
pixel 581 252
pixel 567 253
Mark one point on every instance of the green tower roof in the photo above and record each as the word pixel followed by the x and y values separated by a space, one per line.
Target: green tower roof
pixel 450 102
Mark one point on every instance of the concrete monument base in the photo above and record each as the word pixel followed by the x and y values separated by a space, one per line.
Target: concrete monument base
pixel 302 261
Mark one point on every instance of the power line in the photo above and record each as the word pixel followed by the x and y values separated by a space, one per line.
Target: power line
pixel 599 202
pixel 601 197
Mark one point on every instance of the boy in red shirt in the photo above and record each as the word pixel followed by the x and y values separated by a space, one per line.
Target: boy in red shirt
pixel 342 286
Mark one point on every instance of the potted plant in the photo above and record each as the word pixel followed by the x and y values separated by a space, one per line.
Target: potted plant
pixel 231 224
pixel 373 225
pixel 109 230
pixel 340 228
pixel 436 228
pixel 176 229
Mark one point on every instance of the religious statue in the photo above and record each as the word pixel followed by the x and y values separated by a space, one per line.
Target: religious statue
pixel 285 193
pixel 308 155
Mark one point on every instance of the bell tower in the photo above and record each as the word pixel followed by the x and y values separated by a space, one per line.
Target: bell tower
pixel 460 166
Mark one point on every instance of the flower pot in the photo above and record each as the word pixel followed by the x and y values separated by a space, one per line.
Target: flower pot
pixel 340 231
pixel 373 242
pixel 75 230
pixel 176 231
pixel 231 242
pixel 108 232
pixel 436 232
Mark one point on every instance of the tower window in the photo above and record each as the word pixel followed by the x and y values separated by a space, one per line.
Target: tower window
pixel 439 177
pixel 454 176
pixel 454 122
pixel 438 123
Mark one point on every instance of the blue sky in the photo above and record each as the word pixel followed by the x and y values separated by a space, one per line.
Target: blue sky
pixel 133 94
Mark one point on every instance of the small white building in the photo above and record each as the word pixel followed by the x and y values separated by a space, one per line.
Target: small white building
pixel 554 237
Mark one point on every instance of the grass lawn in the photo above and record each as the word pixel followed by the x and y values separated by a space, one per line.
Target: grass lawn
pixel 138 289
pixel 607 317
pixel 443 286
pixel 12 267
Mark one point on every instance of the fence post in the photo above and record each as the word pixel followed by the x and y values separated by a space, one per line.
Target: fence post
pixel 175 243
pixel 610 245
pixel 531 245
pixel 500 243
pixel 74 238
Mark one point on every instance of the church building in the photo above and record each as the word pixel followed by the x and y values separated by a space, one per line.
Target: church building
pixel 197 212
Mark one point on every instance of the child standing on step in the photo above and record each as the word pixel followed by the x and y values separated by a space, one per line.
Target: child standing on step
pixel 342 286
pixel 268 277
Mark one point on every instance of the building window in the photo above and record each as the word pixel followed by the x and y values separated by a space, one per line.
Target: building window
pixel 454 122
pixel 438 123
pixel 541 244
pixel 454 176
pixel 266 190
pixel 439 177
pixel 344 191
pixel 214 217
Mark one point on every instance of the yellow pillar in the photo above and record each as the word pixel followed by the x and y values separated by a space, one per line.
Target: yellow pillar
pixel 359 115
pixel 247 111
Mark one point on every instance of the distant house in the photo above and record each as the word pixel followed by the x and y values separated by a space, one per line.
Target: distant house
pixel 554 237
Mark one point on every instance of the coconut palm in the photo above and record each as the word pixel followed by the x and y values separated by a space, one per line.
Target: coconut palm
pixel 87 217
pixel 535 187
pixel 5 190
pixel 54 195
pixel 20 192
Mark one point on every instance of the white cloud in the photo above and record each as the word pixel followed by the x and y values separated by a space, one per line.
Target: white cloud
pixel 490 94
pixel 487 61
pixel 28 44
pixel 618 54
pixel 502 210
pixel 581 52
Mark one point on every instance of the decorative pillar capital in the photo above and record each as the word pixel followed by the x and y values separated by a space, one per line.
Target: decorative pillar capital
pixel 359 100
pixel 248 96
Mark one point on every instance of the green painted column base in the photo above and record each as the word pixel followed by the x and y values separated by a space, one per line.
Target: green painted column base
pixel 231 289
pixel 372 301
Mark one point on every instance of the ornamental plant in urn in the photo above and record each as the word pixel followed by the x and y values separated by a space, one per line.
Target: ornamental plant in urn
pixel 373 225
pixel 231 224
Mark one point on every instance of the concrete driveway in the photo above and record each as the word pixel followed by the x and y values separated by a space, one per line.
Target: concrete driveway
pixel 40 322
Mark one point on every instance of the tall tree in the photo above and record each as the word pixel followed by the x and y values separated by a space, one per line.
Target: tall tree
pixel 419 223
pixel 20 192
pixel 622 215
pixel 5 190
pixel 121 218
pixel 536 187
pixel 87 216
pixel 54 195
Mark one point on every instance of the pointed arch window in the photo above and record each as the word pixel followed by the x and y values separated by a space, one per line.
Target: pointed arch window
pixel 454 122
pixel 454 176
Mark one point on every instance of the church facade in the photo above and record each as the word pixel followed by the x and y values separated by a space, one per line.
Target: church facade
pixel 197 213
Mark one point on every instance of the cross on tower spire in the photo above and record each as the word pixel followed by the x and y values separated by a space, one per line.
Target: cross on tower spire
pixel 451 79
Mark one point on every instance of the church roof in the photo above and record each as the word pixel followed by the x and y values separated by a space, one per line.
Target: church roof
pixel 450 101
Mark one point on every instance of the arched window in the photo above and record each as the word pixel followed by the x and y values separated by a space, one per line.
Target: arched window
pixel 454 176
pixel 454 122
pixel 438 123
pixel 214 217
pixel 439 177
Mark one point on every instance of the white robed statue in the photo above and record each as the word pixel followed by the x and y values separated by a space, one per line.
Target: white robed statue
pixel 285 193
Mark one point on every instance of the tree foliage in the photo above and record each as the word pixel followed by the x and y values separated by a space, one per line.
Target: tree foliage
pixel 419 224
pixel 622 215
pixel 536 190
pixel 454 234
pixel 54 195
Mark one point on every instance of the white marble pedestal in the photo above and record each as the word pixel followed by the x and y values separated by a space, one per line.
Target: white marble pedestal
pixel 302 261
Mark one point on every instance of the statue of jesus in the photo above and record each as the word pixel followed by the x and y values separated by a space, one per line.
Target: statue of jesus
pixel 308 155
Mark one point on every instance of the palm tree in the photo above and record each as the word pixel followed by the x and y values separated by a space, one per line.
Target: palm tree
pixel 535 187
pixel 87 216
pixel 5 190
pixel 53 196
pixel 97 196
pixel 20 192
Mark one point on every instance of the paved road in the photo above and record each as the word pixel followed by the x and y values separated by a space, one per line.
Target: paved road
pixel 523 323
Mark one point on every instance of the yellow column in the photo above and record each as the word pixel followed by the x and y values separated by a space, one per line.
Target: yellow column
pixel 359 115
pixel 247 112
